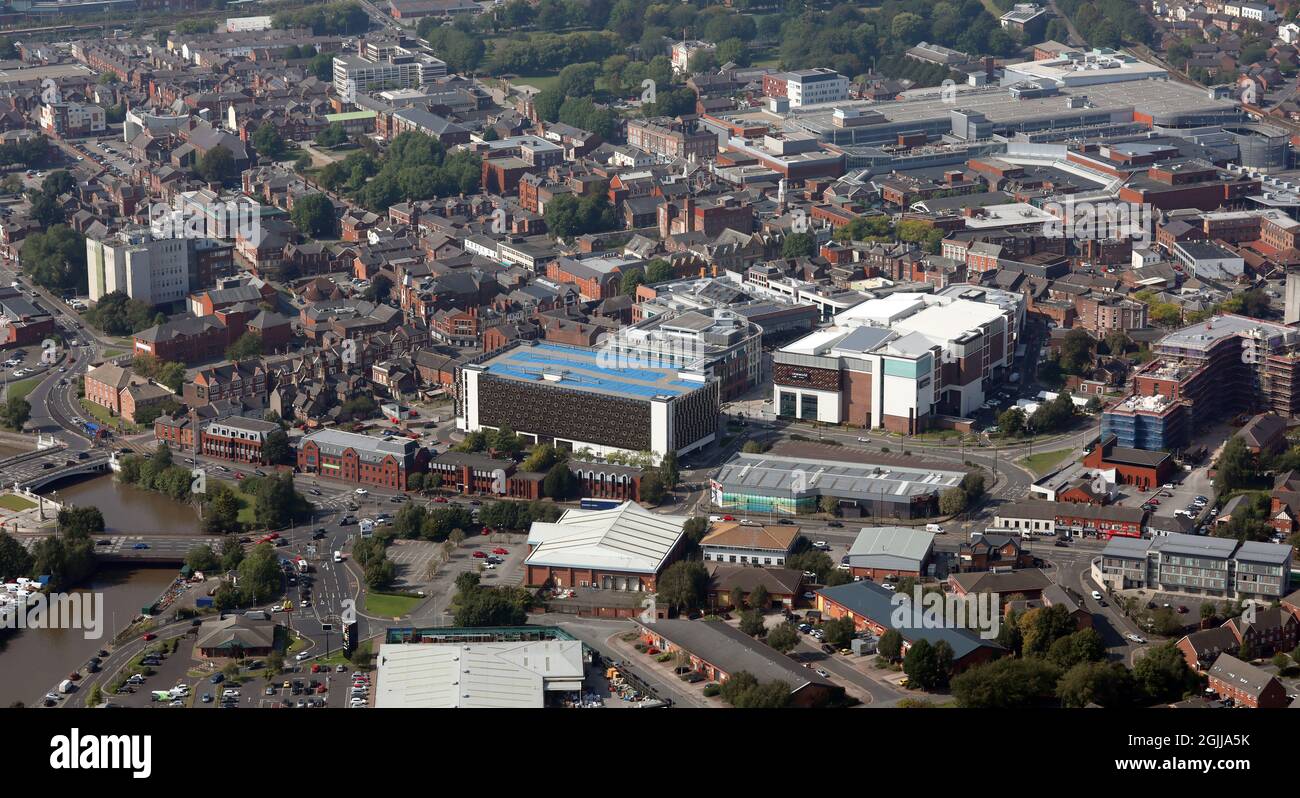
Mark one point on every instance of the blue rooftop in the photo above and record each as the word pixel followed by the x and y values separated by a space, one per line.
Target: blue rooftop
pixel 869 600
pixel 587 370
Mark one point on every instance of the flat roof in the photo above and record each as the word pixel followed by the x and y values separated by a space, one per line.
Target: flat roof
pixel 476 675
pixel 777 474
pixel 996 103
pixel 627 538
pixel 590 370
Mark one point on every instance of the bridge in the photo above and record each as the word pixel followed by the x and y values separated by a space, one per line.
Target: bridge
pixel 157 549
pixel 36 469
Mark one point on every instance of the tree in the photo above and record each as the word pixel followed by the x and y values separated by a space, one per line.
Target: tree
pixel 118 314
pixel 268 142
pixel 838 632
pixel 799 245
pixel 736 598
pixel 652 488
pixel 784 637
pixel 743 691
pixel 921 664
pixel 15 412
pixel 1043 626
pixel 202 558
pixel 1076 352
pixel 1162 675
pixel 751 623
pixel 1107 684
pixel 1012 422
pixel 217 165
pixel 658 271
pixel 669 471
pixel 15 561
pixel 559 483
pixel 333 136
pixel 55 259
pixel 275 449
pixel 1085 645
pixel 891 645
pixel 1235 467
pixel 759 598
pixel 683 585
pixel 248 347
pixel 313 215
pixel 58 182
pixel 1006 684
pixel 952 501
pixel 259 574
pixel 632 279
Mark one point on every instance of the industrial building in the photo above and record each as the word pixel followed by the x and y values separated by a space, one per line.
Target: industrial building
pixel 531 674
pixel 577 398
pixel 794 478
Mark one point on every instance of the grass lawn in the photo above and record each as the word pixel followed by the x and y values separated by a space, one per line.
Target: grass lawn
pixel 390 605
pixel 113 352
pixel 13 502
pixel 105 416
pixel 1044 461
pixel 23 387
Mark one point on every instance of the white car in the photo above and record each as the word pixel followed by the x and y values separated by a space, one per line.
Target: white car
pixel 888 586
pixel 864 440
pixel 821 544
pixel 362 492
pixel 301 655
pixel 1136 638
pixel 1096 595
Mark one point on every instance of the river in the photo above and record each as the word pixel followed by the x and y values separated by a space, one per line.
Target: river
pixel 128 509
pixel 34 661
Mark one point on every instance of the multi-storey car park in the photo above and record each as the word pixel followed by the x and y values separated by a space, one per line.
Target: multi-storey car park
pixel 576 398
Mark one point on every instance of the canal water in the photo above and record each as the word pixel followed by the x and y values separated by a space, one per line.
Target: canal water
pixel 34 661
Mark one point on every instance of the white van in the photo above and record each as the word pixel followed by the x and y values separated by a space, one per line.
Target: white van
pixel 934 529
pixel 338 556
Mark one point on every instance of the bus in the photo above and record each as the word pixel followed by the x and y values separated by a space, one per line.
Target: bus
pixel 598 504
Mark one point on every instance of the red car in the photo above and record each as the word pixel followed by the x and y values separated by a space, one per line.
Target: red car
pixel 315 668
pixel 728 518
pixel 321 689
pixel 239 475
pixel 149 636
pixel 441 500
pixel 478 555
pixel 487 531
pixel 1156 502
pixel 273 536
pixel 499 550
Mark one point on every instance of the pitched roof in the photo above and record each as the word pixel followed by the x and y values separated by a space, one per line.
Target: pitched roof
pixel 870 600
pixel 778 537
pixel 730 649
pixel 1241 675
pixel 626 538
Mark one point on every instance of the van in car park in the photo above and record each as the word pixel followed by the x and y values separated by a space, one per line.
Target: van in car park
pixel 934 529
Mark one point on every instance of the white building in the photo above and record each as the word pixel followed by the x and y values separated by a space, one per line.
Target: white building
pixel 684 51
pixel 894 361
pixel 497 675
pixel 813 86
pixel 154 271
pixel 356 75
pixel 1258 12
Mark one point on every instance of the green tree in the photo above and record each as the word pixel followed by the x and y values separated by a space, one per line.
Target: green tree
pixel 275 449
pixel 751 623
pixel 683 585
pixel 891 645
pixel 217 165
pixel 839 632
pixel 784 637
pixel 1007 684
pixel 652 489
pixel 15 412
pixel 202 558
pixel 248 347
pixel 314 217
pixel 952 501
pixel 259 575
pixel 1107 684
pixel 1162 674
pixel 799 245
pixel 1012 422
pixel 268 142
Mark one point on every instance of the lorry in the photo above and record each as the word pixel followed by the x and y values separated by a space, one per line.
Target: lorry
pixel 67 686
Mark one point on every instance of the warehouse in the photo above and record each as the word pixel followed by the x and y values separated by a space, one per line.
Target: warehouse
pixel 793 478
